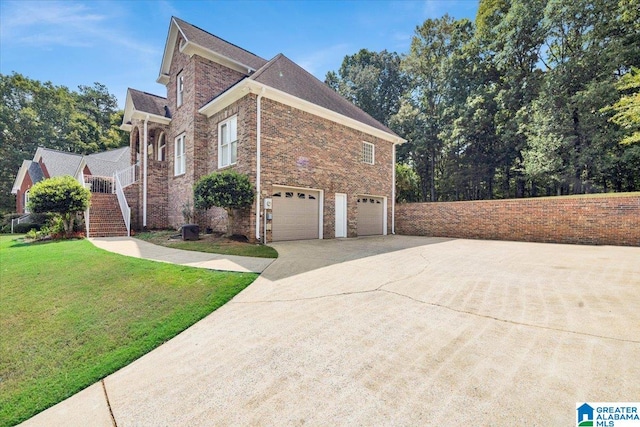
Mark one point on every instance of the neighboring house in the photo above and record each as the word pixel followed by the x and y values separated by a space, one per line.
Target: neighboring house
pixel 48 163
pixel 326 165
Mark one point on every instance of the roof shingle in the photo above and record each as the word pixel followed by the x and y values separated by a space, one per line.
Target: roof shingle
pixel 283 74
pixel 148 102
pixel 218 45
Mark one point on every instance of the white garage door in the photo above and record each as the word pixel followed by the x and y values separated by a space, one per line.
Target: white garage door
pixel 295 214
pixel 370 215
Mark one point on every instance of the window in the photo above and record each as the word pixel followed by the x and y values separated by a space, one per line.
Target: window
pixel 228 142
pixel 162 148
pixel 180 161
pixel 368 153
pixel 179 89
pixel 26 202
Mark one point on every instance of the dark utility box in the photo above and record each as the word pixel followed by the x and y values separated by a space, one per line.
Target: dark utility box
pixel 190 232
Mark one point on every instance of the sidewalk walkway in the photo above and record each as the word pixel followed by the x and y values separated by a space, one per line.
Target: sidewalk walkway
pixel 140 249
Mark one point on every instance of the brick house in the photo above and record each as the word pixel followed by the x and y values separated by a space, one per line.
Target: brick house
pixel 322 167
pixel 48 163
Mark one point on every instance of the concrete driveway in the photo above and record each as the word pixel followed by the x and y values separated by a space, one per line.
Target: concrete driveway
pixel 394 330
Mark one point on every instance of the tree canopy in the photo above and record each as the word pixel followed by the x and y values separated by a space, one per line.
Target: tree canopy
pixel 35 114
pixel 536 97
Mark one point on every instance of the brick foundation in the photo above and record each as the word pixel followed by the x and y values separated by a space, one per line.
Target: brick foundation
pixel 592 220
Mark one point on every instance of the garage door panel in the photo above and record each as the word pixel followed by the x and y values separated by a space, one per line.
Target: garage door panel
pixel 370 215
pixel 295 214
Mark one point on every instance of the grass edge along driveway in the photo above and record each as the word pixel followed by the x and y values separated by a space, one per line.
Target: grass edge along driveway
pixel 71 314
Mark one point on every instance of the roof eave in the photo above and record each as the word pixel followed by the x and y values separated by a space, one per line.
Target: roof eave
pixel 190 48
pixel 20 176
pixel 251 86
pixel 130 113
pixel 167 56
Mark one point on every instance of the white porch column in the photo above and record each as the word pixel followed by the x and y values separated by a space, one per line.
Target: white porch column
pixel 144 174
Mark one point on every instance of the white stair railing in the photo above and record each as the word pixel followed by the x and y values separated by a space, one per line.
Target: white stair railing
pixel 129 175
pixel 86 221
pixel 122 201
pixel 23 218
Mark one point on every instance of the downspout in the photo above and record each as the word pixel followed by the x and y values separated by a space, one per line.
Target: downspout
pixel 393 190
pixel 258 164
pixel 144 175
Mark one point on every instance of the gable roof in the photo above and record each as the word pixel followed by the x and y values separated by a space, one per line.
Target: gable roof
pixel 28 167
pixel 148 102
pixel 208 46
pixel 286 82
pixel 283 74
pixel 280 79
pixel 59 163
pixel 139 105
pixel 35 171
pixel 108 162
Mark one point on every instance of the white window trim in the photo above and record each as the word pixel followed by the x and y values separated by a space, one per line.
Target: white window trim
pixel 26 201
pixel 180 159
pixel 179 89
pixel 373 153
pixel 231 143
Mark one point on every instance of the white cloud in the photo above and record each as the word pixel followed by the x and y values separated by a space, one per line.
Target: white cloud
pixel 67 24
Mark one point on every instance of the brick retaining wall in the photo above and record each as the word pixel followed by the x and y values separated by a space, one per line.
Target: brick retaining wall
pixel 593 220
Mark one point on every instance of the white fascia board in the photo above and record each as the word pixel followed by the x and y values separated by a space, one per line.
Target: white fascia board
pixel 80 168
pixel 167 56
pixel 128 110
pixel 131 113
pixel 20 176
pixel 190 48
pixel 325 113
pixel 240 89
pixel 230 96
pixel 141 115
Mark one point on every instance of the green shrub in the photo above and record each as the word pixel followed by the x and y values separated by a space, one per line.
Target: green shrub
pixel 62 195
pixel 229 190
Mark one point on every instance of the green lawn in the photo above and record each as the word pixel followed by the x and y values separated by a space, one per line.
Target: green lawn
pixel 70 314
pixel 209 243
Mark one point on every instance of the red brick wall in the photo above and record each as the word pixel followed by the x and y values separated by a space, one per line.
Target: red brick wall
pixel 157 194
pixel 303 150
pixel 298 149
pixel 24 186
pixel 132 194
pixel 596 220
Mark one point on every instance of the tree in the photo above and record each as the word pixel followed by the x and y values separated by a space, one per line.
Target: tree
pixel 62 195
pixel 228 190
pixel 407 184
pixel 531 99
pixel 373 81
pixel 35 114
pixel 434 47
pixel 627 108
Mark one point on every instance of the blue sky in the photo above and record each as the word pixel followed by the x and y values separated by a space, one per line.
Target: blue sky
pixel 120 43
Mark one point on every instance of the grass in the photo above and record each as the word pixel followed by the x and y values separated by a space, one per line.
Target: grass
pixel 71 314
pixel 211 243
